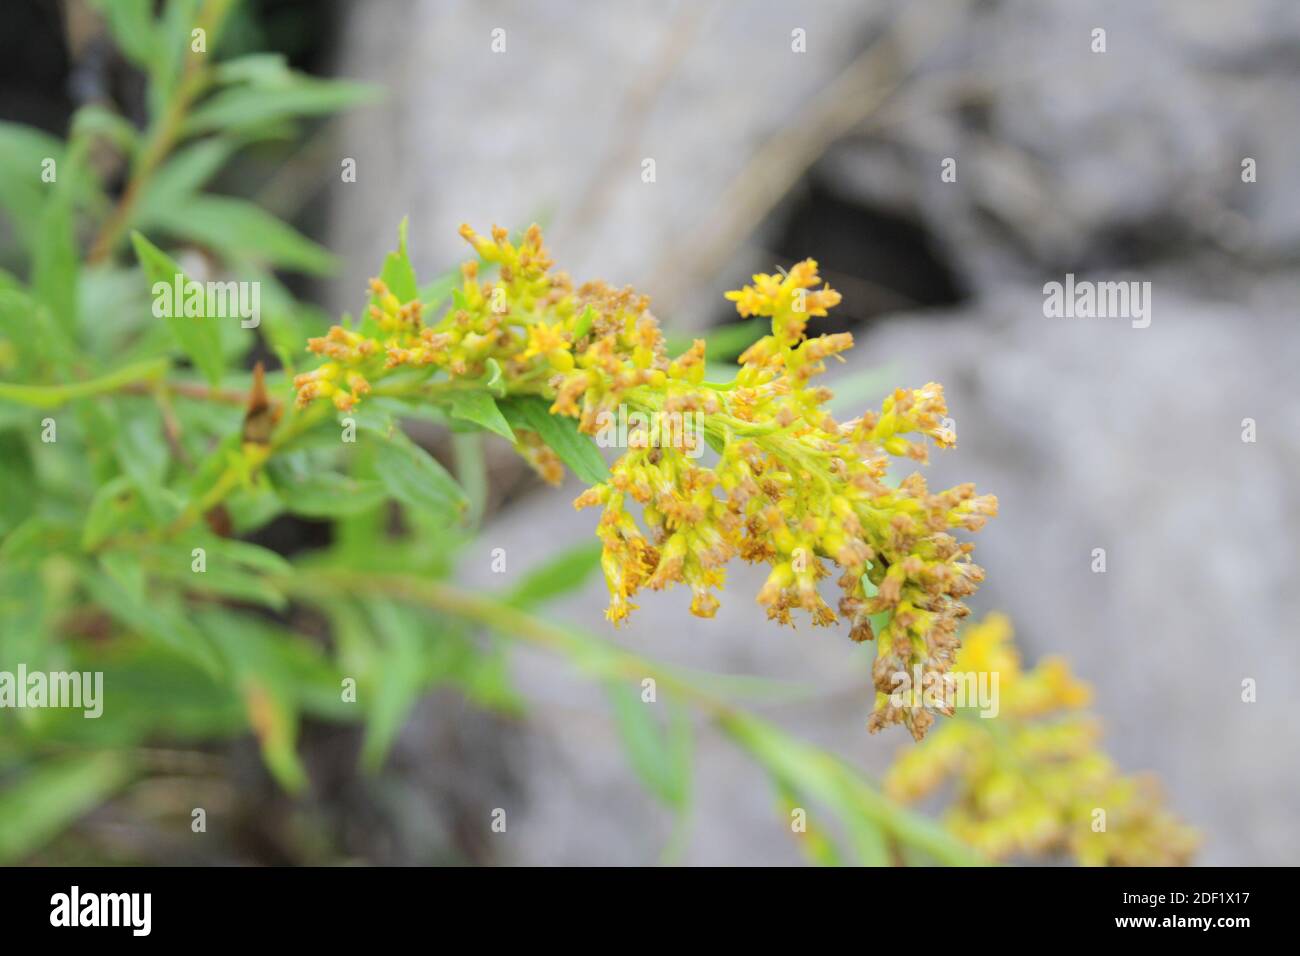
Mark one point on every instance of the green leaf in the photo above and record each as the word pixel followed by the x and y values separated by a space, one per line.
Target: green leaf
pixel 224 581
pixel 32 333
pixel 438 291
pixel 415 479
pixel 274 717
pixel 142 453
pixel 237 227
pixel 55 260
pixel 268 687
pixel 197 336
pixel 584 323
pixel 17 480
pixel 249 555
pixel 858 805
pixel 493 379
pixel 126 571
pixel 470 466
pixel 726 342
pixel 481 409
pixel 150 694
pixel 484 677
pixel 134 31
pixel 867 839
pixel 36 538
pixel 183 175
pixel 95 120
pixel 268 69
pixel 173 31
pixel 324 494
pixel 120 292
pixel 398 273
pixel 399 681
pixel 566 572
pixel 574 448
pixel 660 758
pixel 23 150
pixel 24 634
pixel 109 508
pixel 255 104
pixel 815 843
pixel 49 798
pixel 233 569
pixel 799 769
pixel 158 620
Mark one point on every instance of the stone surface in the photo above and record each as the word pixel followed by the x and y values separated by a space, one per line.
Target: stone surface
pixel 1123 165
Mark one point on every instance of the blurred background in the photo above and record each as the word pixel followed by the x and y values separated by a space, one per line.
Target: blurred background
pixel 780 130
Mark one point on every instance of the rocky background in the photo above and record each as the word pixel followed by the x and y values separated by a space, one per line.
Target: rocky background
pixel 1122 165
pixel 1125 164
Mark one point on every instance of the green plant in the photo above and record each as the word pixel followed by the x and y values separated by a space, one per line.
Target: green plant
pixel 142 447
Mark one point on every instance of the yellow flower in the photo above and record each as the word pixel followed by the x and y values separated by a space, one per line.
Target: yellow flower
pixel 791 487
pixel 1032 779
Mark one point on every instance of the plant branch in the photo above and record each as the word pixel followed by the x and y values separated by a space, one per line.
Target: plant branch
pixel 601 659
pixel 164 133
pixel 138 376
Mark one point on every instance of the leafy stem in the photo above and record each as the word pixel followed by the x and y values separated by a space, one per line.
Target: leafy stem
pixel 774 749
pixel 163 134
pixel 135 377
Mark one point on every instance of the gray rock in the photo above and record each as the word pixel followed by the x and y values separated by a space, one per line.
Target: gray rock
pixel 1122 165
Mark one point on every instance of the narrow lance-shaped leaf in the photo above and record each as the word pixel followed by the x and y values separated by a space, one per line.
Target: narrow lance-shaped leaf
pixel 574 448
pixel 197 335
pixel 398 273
pixel 236 227
pixel 660 758
pixel 325 494
pixel 133 27
pixel 266 687
pixel 415 479
pixel 55 261
pixel 398 681
pixel 246 106
pixel 481 409
pixel 177 182
pixel 164 624
pixel 566 572
pixel 25 155
pixel 46 800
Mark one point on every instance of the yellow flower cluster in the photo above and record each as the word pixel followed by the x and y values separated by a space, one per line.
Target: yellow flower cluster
pixel 791 487
pixel 1031 780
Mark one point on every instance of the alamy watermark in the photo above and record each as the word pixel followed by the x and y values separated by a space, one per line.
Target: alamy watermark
pixel 133 911
pixel 190 298
pixel 82 690
pixel 1085 299
pixel 955 689
pixel 636 429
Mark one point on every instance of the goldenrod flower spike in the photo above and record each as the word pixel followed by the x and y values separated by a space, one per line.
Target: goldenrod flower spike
pixel 791 488
pixel 1032 780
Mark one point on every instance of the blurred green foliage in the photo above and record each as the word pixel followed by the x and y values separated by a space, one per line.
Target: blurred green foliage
pixel 125 448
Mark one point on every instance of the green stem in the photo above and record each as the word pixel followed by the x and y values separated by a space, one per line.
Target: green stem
pixel 608 661
pixel 163 135
pixel 234 474
pixel 52 396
